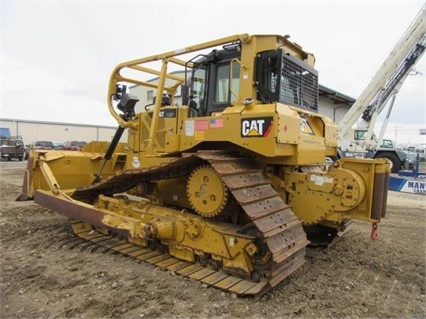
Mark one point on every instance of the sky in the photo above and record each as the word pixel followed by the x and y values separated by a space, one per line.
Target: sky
pixel 57 56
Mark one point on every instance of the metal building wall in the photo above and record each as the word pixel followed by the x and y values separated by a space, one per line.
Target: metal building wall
pixel 56 131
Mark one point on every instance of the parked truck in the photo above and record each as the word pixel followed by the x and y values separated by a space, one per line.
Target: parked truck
pixel 12 147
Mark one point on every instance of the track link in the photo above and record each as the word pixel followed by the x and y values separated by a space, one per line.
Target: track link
pixel 275 222
pixel 208 276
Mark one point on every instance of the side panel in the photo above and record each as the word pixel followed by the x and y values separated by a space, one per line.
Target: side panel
pixel 254 131
pixel 275 131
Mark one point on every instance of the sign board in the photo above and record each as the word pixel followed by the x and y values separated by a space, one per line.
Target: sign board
pixel 406 185
pixel 4 132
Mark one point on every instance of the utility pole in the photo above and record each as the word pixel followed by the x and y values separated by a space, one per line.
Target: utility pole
pixel 396 128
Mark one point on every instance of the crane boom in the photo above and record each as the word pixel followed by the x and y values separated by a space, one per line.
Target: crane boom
pixel 388 79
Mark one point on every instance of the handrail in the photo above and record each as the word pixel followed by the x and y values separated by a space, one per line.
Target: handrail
pixel 169 56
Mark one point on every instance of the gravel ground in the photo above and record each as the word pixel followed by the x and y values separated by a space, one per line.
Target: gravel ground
pixel 47 272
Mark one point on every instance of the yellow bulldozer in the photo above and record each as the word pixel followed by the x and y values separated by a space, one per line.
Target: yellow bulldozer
pixel 227 186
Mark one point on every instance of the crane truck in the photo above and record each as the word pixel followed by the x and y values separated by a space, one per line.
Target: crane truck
pixel 384 86
pixel 228 188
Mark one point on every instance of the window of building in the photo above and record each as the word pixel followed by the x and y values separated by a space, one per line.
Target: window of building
pixel 150 95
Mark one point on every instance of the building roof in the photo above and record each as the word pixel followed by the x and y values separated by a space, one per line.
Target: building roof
pixel 337 97
pixel 55 123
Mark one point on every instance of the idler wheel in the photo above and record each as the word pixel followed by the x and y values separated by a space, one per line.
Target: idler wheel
pixel 262 259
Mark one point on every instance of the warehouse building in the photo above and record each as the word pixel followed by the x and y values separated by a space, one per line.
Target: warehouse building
pixel 32 131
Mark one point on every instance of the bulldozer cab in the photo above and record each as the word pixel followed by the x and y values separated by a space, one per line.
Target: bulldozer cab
pixel 279 77
pixel 215 81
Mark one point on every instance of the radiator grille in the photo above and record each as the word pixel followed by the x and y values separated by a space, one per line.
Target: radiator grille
pixel 298 85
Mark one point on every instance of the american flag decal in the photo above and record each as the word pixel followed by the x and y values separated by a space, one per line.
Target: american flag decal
pixel 216 123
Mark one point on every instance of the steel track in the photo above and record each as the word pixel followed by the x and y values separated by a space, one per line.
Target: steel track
pixel 275 223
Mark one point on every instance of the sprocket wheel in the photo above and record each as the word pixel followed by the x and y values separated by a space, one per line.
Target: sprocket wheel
pixel 206 192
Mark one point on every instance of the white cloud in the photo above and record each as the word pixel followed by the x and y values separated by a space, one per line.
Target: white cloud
pixel 32 92
pixel 57 57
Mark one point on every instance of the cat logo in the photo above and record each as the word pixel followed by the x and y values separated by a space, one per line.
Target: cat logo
pixel 168 113
pixel 256 127
pixel 165 113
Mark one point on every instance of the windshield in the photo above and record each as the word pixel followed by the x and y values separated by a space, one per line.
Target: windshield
pixel 361 135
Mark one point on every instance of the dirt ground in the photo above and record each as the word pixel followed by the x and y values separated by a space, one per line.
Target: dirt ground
pixel 47 272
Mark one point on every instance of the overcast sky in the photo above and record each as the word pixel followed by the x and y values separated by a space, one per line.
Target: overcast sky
pixel 57 56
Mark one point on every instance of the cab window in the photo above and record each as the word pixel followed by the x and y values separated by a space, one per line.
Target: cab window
pixel 227 81
pixel 360 135
pixel 198 100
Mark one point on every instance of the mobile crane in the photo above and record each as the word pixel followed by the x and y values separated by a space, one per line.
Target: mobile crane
pixel 361 142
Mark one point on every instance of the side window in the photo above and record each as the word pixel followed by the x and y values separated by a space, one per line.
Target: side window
pixel 198 90
pixel 360 135
pixel 268 76
pixel 225 82
pixel 387 144
pixel 222 84
pixel 271 74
